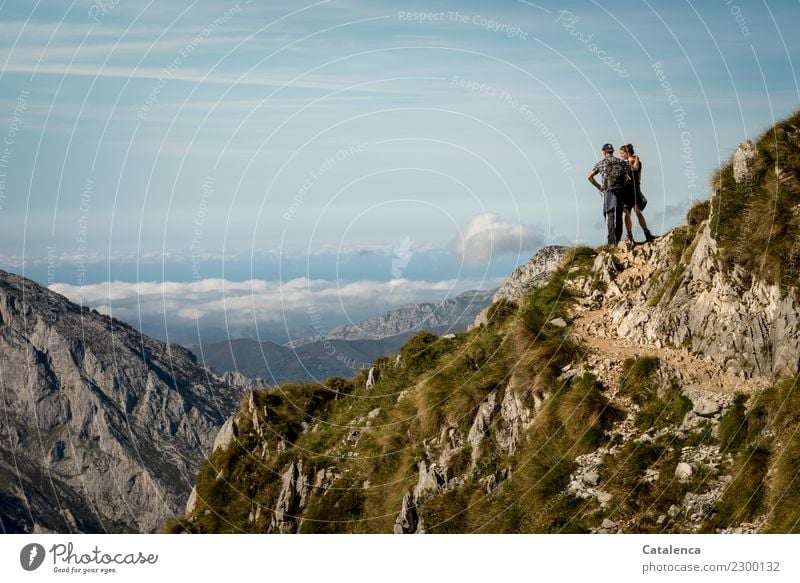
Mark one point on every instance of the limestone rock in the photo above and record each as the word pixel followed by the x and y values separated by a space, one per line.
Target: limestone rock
pixel 372 377
pixel 137 416
pixel 683 471
pixel 291 499
pixel 706 407
pixel 453 314
pixel 191 503
pixel 745 326
pixel 535 273
pixel 227 434
pixel 481 424
pixel 592 477
pixel 743 159
pixel 430 479
pixel 603 497
pixel 513 418
pixel 241 381
pixel 325 478
pixel 407 521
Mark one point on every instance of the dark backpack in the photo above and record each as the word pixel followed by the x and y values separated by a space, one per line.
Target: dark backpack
pixel 615 177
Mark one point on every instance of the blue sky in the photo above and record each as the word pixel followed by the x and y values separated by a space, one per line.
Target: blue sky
pixel 287 140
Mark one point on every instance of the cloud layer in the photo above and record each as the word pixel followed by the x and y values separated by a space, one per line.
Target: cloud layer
pixel 487 235
pixel 179 310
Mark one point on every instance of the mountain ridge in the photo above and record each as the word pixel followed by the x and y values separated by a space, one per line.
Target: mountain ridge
pixel 103 427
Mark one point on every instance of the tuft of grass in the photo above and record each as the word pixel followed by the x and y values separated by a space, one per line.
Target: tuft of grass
pixel 743 498
pixel 699 212
pixel 754 223
pixel 501 312
pixel 337 510
pixel 733 426
pixel 585 413
pixel 421 353
pixel 784 495
pixel 639 379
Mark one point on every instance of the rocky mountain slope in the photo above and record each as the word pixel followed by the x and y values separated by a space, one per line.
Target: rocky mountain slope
pixel 532 274
pixel 646 390
pixel 450 315
pixel 102 429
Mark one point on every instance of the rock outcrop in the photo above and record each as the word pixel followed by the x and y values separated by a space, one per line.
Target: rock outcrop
pixel 407 521
pixel 742 324
pixel 291 499
pixel 104 428
pixel 241 381
pixel 534 273
pixel 743 159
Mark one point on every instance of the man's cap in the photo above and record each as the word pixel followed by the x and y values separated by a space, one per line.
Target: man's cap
pixel 608 148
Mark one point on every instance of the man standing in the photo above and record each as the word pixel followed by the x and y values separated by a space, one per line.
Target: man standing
pixel 615 173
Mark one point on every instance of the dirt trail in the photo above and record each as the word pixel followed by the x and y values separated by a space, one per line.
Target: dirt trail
pixel 608 351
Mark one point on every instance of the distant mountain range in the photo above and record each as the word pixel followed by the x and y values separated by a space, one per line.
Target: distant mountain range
pixel 452 315
pixel 346 349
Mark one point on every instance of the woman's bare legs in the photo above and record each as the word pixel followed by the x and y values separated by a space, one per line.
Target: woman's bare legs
pixel 640 216
pixel 628 222
pixel 648 237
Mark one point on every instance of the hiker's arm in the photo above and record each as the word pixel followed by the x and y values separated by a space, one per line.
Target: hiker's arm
pixel 635 163
pixel 591 176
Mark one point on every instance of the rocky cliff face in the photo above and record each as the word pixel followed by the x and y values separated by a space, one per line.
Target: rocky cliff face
pixel 747 327
pixel 103 429
pixel 532 274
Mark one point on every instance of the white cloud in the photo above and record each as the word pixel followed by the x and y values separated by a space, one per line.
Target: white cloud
pixel 487 235
pixel 243 306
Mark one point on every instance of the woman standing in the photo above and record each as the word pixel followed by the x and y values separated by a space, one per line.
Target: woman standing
pixel 635 199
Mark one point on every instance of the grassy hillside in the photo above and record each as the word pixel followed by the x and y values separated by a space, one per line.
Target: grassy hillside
pixel 361 449
pixel 757 221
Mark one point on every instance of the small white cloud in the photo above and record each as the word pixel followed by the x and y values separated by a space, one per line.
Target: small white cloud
pixel 487 235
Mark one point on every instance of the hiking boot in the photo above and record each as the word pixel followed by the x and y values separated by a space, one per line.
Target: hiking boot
pixel 648 237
